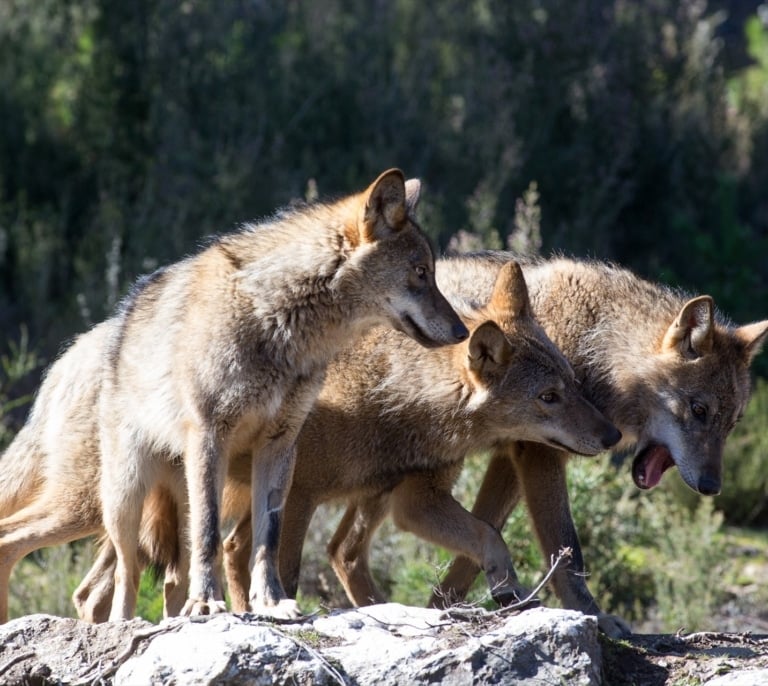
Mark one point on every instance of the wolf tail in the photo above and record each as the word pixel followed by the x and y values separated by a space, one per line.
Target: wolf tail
pixel 21 471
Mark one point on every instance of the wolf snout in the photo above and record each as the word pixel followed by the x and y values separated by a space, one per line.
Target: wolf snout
pixel 611 437
pixel 708 485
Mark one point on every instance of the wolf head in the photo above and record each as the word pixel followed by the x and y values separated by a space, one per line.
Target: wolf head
pixel 396 261
pixel 701 379
pixel 526 386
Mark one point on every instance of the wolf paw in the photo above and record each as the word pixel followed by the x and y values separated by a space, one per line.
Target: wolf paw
pixel 195 607
pixel 613 626
pixel 284 609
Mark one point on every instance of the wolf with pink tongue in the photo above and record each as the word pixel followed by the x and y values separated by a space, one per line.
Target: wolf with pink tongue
pixel 670 372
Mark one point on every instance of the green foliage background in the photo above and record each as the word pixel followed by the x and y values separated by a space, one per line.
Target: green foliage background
pixel 636 132
pixel 132 130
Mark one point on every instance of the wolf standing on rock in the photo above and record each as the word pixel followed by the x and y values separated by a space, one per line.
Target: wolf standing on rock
pixel 671 375
pixel 224 352
pixel 390 416
pixel 665 368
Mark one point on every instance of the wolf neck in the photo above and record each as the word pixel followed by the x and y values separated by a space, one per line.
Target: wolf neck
pixel 610 325
pixel 299 292
pixel 427 390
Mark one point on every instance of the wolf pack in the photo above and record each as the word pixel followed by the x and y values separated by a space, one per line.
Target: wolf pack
pixel 325 355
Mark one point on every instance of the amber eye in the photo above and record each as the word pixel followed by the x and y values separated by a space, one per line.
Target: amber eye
pixel 549 397
pixel 699 410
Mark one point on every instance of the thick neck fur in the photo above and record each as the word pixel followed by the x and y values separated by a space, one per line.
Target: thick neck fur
pixel 431 397
pixel 608 322
pixel 612 332
pixel 424 395
pixel 299 283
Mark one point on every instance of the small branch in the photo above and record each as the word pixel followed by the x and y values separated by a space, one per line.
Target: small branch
pixel 466 612
pixel 391 624
pixel 563 554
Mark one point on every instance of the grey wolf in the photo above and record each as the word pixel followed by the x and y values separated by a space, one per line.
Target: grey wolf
pixel 223 353
pixel 666 368
pixel 390 418
pixel 669 371
pixel 393 424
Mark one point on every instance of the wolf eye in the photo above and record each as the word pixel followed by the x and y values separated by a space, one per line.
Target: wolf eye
pixel 549 397
pixel 699 410
pixel 421 271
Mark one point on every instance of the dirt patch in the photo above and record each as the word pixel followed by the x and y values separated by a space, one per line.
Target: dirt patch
pixel 664 659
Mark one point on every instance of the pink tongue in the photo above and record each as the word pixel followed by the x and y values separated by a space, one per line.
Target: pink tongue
pixel 656 462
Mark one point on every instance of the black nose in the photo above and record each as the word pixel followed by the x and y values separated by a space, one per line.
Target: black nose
pixel 459 331
pixel 611 437
pixel 709 485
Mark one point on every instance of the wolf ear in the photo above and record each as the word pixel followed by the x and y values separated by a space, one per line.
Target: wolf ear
pixel 489 349
pixel 383 208
pixel 509 299
pixel 752 336
pixel 412 195
pixel 692 332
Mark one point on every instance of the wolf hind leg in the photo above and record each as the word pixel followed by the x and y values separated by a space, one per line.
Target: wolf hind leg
pixel 127 474
pixel 93 597
pixel 31 528
pixel 299 508
pixel 349 548
pixel 237 552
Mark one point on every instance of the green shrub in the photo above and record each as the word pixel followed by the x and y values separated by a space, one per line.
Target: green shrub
pixel 744 499
pixel 15 366
pixel 43 582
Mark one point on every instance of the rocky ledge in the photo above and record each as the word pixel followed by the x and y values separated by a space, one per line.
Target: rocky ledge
pixel 382 644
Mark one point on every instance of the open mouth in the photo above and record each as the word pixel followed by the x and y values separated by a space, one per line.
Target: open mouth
pixel 650 464
pixel 412 329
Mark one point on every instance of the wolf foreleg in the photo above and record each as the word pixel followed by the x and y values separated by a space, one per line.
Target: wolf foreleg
pixel 541 471
pixel 271 475
pixel 499 494
pixel 205 469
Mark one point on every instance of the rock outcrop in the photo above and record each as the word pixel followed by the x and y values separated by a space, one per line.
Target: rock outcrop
pixel 383 644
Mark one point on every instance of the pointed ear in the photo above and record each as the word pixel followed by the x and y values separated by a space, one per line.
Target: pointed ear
pixel 412 195
pixel 489 349
pixel 692 332
pixel 510 294
pixel 752 336
pixel 383 206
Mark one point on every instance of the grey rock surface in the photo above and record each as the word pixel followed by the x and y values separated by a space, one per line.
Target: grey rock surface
pixel 382 644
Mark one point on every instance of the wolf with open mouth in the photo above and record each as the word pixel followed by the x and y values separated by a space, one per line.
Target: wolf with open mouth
pixel 666 368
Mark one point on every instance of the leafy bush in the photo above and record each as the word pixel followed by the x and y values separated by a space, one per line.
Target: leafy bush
pixel 45 580
pixel 744 499
pixel 15 368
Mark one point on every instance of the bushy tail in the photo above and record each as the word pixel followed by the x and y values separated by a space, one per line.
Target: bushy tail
pixel 21 471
